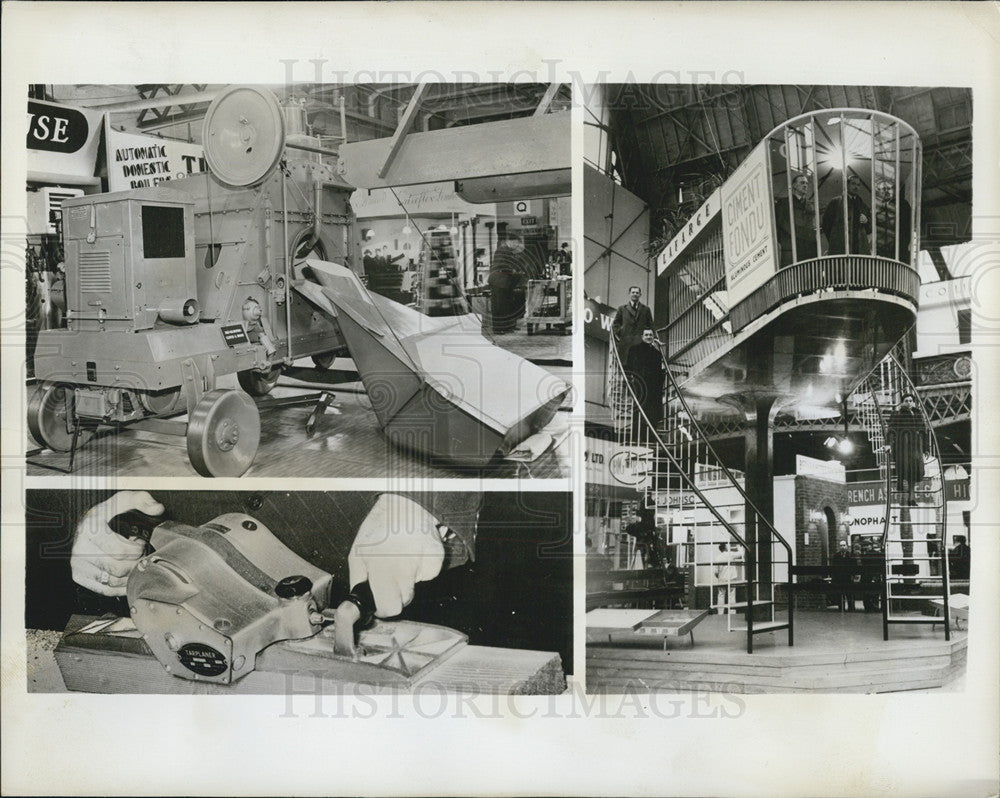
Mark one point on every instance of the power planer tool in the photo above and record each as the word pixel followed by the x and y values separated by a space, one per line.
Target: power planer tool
pixel 208 599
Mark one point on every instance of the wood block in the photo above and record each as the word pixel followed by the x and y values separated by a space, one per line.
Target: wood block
pixel 120 663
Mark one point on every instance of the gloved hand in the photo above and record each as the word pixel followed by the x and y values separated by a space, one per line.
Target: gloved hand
pixel 102 559
pixel 397 545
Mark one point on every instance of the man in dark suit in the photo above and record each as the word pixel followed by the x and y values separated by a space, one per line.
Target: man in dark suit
pixel 645 368
pixel 630 320
pixel 842 562
pixel 858 221
pixel 508 276
pixel 885 222
pixel 799 220
pixel 959 559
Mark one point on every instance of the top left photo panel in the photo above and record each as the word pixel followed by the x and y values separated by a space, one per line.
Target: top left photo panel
pixel 299 280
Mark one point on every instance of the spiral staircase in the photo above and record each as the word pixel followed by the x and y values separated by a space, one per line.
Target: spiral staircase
pixel 677 470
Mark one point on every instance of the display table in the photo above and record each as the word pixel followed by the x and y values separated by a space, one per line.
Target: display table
pixel 549 302
pixel 657 623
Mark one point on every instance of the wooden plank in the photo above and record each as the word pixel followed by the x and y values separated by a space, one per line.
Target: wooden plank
pixel 125 665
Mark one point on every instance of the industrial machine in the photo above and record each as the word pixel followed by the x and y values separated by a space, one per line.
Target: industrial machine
pixel 169 288
pixel 206 601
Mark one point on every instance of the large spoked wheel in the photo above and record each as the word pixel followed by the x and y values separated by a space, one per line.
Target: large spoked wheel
pixel 223 434
pixel 50 417
pixel 259 383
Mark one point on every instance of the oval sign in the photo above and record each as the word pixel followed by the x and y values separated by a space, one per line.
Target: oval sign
pixel 202 659
pixel 55 128
pixel 630 467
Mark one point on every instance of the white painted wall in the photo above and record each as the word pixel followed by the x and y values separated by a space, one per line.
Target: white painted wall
pixel 937 319
pixel 615 217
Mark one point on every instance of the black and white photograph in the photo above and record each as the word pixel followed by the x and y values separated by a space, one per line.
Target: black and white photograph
pixel 780 396
pixel 307 279
pixel 502 399
pixel 282 592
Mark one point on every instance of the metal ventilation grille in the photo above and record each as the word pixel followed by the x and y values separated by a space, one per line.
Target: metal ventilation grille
pixel 95 272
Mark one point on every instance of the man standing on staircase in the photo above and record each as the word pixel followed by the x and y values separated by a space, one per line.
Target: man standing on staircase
pixel 646 371
pixel 630 320
pixel 908 439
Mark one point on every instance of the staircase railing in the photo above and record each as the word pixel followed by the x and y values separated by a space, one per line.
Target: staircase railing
pixel 665 460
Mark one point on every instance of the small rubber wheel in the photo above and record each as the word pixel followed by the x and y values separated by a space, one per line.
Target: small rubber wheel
pixel 223 434
pixel 259 383
pixel 324 360
pixel 160 403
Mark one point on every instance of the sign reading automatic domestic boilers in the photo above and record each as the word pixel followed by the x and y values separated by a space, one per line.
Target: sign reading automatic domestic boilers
pixel 746 227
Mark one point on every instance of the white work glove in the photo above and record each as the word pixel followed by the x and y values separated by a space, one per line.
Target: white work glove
pixel 102 559
pixel 397 545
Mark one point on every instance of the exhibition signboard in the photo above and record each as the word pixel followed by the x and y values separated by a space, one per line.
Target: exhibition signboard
pixel 613 465
pixel 689 232
pixel 138 161
pixel 746 227
pixel 62 143
pixel 423 200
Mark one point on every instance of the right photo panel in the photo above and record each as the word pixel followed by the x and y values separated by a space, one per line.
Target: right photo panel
pixel 779 387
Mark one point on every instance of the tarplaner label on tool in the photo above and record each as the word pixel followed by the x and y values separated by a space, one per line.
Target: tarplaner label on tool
pixel 202 659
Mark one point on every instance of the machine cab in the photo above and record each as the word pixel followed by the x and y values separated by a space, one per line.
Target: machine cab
pixel 130 260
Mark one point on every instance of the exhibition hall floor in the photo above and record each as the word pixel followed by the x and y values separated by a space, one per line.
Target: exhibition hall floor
pixel 345 442
pixel 834 652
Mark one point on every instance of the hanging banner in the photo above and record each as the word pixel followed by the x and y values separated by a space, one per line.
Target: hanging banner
pixel 62 143
pixel 827 469
pixel 746 227
pixel 925 492
pixel 430 198
pixel 138 161
pixel 689 232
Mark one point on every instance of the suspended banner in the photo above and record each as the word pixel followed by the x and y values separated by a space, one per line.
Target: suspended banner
pixel 62 143
pixel 746 227
pixel 138 161
pixel 430 198
pixel 689 232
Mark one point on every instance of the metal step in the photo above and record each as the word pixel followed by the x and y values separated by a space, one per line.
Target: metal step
pixel 914 596
pixel 764 626
pixel 901 559
pixel 744 604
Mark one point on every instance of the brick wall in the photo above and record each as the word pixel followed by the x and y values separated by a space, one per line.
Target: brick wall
pixel 812 496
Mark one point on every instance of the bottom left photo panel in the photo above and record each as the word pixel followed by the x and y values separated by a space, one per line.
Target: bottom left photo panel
pixel 266 592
